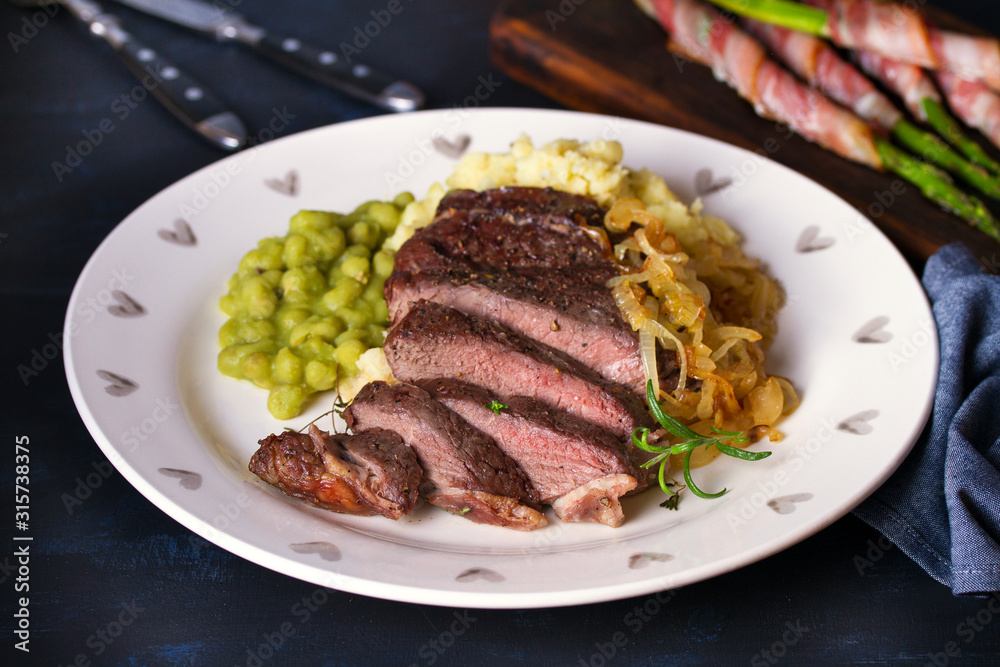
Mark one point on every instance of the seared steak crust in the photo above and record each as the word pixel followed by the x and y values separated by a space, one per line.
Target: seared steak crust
pixel 465 470
pixel 507 228
pixel 365 474
pixel 434 341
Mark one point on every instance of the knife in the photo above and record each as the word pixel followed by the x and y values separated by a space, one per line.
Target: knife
pixel 321 65
pixel 187 99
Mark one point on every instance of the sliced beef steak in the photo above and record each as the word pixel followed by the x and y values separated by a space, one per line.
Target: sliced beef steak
pixel 365 474
pixel 548 203
pixel 434 341
pixel 560 309
pixel 520 257
pixel 466 471
pixel 578 468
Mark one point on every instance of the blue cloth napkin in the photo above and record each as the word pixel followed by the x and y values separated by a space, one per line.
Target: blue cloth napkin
pixel 942 507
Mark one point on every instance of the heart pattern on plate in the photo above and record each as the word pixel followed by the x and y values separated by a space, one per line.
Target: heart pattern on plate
pixel 126 306
pixel 811 241
pixel 704 183
pixel 453 149
pixel 189 480
pixel 858 423
pixel 479 573
pixel 289 185
pixel 786 504
pixel 181 234
pixel 641 560
pixel 120 386
pixel 324 550
pixel 873 331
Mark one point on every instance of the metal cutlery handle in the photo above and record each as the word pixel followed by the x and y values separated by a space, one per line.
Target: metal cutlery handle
pixel 329 68
pixel 185 97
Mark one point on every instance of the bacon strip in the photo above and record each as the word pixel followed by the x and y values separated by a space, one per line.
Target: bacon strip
pixel 974 103
pixel 968 57
pixel 901 32
pixel 884 27
pixel 816 62
pixel 705 36
pixel 908 81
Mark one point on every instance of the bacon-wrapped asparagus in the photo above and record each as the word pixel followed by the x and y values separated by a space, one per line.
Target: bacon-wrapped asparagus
pixel 974 103
pixel 890 29
pixel 921 97
pixel 819 65
pixel 705 36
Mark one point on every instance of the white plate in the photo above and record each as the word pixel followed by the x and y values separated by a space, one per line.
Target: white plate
pixel 856 338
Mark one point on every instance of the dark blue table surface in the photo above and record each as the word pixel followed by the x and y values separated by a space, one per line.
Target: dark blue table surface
pixel 116 581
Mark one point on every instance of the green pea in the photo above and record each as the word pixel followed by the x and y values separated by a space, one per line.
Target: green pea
pixel 297 251
pixel 328 244
pixel 385 215
pixel 382 263
pixel 374 335
pixel 305 221
pixel 250 331
pixel 356 250
pixel 358 268
pixel 346 292
pixel 285 400
pixel 350 334
pixel 257 298
pixel 289 317
pixel 355 316
pixel 287 368
pixel 320 376
pixel 306 279
pixel 271 278
pixel 402 199
pixel 257 367
pixel 364 233
pixel 230 359
pixel 327 330
pixel 317 349
pixel 229 334
pixel 264 258
pixel 380 311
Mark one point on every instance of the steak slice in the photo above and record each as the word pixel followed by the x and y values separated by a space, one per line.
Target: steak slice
pixel 560 309
pixel 468 474
pixel 578 468
pixel 510 227
pixel 434 341
pixel 365 474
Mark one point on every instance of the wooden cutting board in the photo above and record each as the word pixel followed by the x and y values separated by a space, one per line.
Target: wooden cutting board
pixel 606 56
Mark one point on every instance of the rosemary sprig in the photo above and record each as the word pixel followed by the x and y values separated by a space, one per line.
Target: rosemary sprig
pixel 690 440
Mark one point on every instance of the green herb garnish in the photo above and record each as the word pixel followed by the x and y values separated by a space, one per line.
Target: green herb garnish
pixel 496 406
pixel 464 511
pixel 689 442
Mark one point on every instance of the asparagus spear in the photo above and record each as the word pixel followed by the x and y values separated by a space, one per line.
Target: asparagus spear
pixel 936 186
pixel 950 129
pixel 934 150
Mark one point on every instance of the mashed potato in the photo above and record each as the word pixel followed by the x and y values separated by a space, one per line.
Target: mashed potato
pixel 592 168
